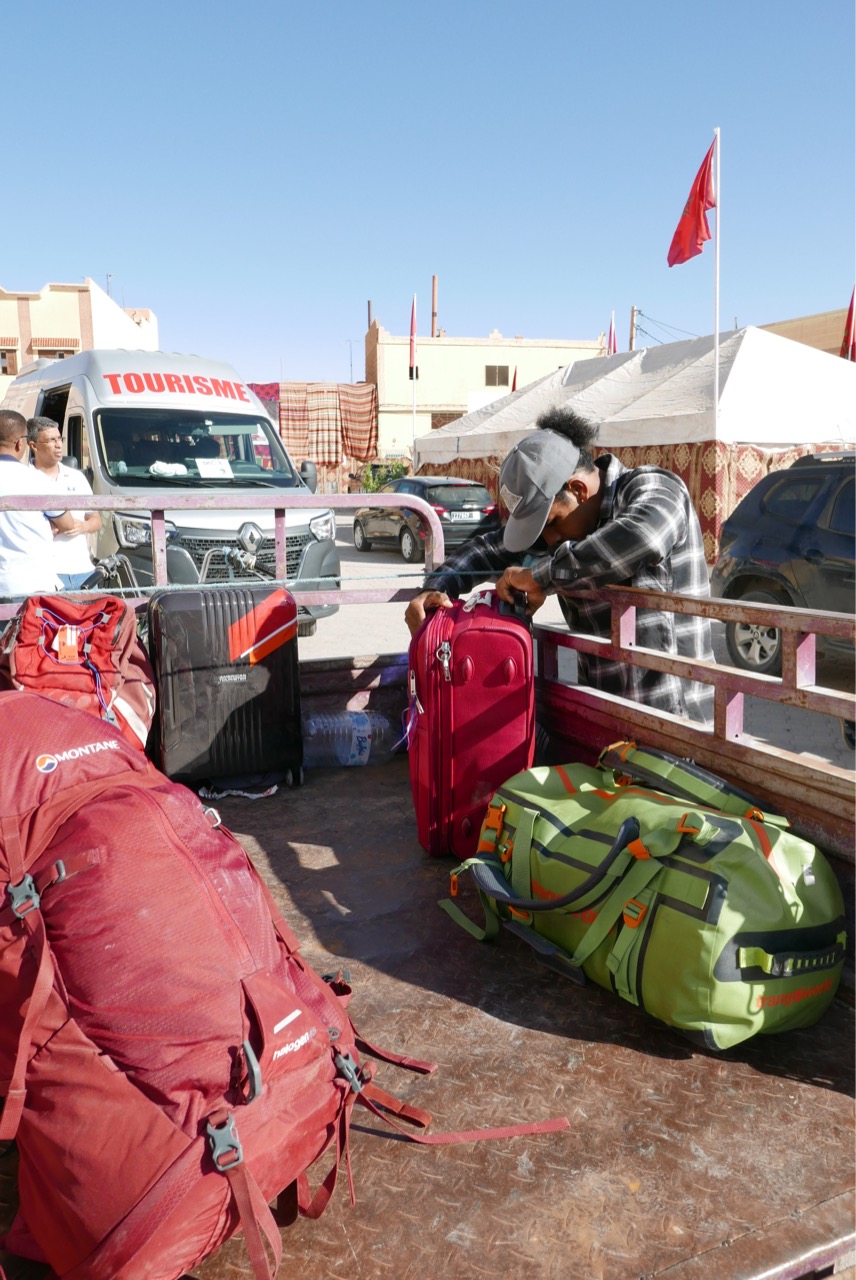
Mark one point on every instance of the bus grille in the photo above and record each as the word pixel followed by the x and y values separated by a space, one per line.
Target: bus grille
pixel 218 570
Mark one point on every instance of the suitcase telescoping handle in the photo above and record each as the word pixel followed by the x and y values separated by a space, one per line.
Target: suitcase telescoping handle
pixel 516 610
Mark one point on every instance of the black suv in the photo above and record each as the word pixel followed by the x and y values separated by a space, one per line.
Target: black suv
pixel 789 542
pixel 464 507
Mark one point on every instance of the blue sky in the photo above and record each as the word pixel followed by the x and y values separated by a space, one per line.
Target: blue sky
pixel 256 173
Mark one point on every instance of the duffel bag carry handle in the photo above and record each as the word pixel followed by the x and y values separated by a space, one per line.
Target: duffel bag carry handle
pixel 683 779
pixel 490 879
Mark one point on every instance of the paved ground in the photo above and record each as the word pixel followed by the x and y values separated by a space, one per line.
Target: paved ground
pixel 379 628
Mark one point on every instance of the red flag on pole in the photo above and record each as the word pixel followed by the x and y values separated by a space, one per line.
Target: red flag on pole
pixel 693 230
pixel 514 380
pixel 848 345
pixel 612 341
pixel 413 373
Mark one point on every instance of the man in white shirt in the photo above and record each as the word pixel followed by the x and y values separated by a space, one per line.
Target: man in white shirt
pixel 72 560
pixel 26 537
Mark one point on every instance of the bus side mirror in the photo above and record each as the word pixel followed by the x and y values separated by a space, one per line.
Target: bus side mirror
pixel 309 475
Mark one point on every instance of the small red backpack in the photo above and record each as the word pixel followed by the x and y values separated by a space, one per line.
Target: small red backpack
pixel 170 1065
pixel 85 653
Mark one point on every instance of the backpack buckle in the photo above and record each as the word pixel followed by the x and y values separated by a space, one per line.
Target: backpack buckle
pixel 491 828
pixel 634 913
pixel 226 1150
pixel 24 897
pixel 346 1067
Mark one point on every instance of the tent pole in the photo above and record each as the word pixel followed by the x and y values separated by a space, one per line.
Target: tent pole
pixel 716 294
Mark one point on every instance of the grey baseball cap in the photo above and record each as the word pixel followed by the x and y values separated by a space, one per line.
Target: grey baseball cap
pixel 531 476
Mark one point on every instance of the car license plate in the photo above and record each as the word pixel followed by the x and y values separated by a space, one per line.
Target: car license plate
pixel 463 515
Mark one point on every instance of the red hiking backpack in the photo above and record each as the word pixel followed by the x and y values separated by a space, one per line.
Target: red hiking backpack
pixel 85 653
pixel 169 1062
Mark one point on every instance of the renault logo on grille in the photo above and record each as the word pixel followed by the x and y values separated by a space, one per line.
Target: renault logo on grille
pixel 250 537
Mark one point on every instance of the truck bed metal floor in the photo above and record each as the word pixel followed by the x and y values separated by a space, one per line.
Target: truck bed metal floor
pixel 679 1163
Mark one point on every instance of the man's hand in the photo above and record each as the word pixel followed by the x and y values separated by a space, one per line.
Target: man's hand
pixel 76 526
pixel 519 579
pixel 422 604
pixel 63 523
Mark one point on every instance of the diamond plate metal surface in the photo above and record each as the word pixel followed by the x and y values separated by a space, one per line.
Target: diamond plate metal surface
pixel 679 1163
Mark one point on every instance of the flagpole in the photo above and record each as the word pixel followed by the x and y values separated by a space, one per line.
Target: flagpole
pixel 716 293
pixel 413 365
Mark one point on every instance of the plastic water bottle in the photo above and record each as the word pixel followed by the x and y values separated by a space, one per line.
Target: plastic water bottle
pixel 345 738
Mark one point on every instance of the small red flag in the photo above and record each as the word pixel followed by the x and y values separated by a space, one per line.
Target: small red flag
pixel 612 341
pixel 848 345
pixel 693 230
pixel 514 380
pixel 413 336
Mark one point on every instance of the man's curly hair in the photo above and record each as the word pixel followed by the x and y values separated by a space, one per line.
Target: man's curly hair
pixel 580 432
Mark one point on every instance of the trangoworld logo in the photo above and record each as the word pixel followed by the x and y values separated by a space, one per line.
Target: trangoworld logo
pixel 47 763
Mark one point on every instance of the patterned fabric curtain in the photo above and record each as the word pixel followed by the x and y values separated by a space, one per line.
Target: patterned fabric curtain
pixel 325 432
pixel 358 413
pixel 716 474
pixel 294 419
pixel 266 391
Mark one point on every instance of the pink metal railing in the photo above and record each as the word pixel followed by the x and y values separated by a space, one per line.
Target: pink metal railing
pixel 827 789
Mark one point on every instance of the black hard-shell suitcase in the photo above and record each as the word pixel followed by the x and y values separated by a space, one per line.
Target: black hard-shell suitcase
pixel 227 684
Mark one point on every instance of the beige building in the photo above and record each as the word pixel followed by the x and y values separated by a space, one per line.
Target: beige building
pixel 825 331
pixel 456 376
pixel 62 319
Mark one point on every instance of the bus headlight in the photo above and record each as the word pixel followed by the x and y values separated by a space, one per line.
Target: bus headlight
pixel 323 527
pixel 132 531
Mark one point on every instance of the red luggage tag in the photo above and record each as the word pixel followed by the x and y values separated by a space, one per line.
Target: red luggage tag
pixel 66 643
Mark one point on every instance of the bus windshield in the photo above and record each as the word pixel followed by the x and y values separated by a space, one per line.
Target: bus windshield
pixel 147 446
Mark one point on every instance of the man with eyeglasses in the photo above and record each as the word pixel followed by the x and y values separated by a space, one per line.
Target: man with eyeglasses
pixel 26 537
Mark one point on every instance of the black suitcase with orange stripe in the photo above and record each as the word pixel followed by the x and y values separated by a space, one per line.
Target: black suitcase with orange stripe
pixel 228 693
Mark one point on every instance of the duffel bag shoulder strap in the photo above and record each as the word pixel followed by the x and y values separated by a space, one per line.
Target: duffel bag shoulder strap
pixel 515 892
pixel 683 779
pixel 633 870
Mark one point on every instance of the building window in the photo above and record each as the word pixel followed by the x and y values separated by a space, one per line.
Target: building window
pixel 441 419
pixel 9 362
pixel 496 375
pixel 54 355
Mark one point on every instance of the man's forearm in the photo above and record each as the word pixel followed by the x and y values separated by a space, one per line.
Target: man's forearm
pixel 482 557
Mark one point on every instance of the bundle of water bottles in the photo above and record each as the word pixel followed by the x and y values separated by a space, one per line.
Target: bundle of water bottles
pixel 349 738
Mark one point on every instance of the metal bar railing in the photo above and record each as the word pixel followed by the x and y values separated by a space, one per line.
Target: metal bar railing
pixel 796 687
pixel 159 506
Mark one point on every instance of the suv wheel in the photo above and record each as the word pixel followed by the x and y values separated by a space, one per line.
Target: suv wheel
pixel 754 646
pixel 361 542
pixel 411 548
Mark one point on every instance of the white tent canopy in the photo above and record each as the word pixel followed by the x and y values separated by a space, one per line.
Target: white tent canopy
pixel 773 393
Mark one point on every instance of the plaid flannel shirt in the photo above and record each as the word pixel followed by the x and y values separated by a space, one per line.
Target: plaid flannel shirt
pixel 648 535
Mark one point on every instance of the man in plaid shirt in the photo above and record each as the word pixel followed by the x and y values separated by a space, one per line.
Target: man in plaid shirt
pixel 584 523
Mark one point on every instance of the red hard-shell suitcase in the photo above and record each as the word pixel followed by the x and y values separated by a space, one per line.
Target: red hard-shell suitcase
pixel 471 717
pixel 227 682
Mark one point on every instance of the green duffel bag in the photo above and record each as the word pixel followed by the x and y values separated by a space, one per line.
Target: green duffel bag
pixel 685 900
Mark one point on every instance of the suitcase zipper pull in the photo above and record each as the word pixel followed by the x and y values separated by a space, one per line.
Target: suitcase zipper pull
pixel 414 700
pixel 444 657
